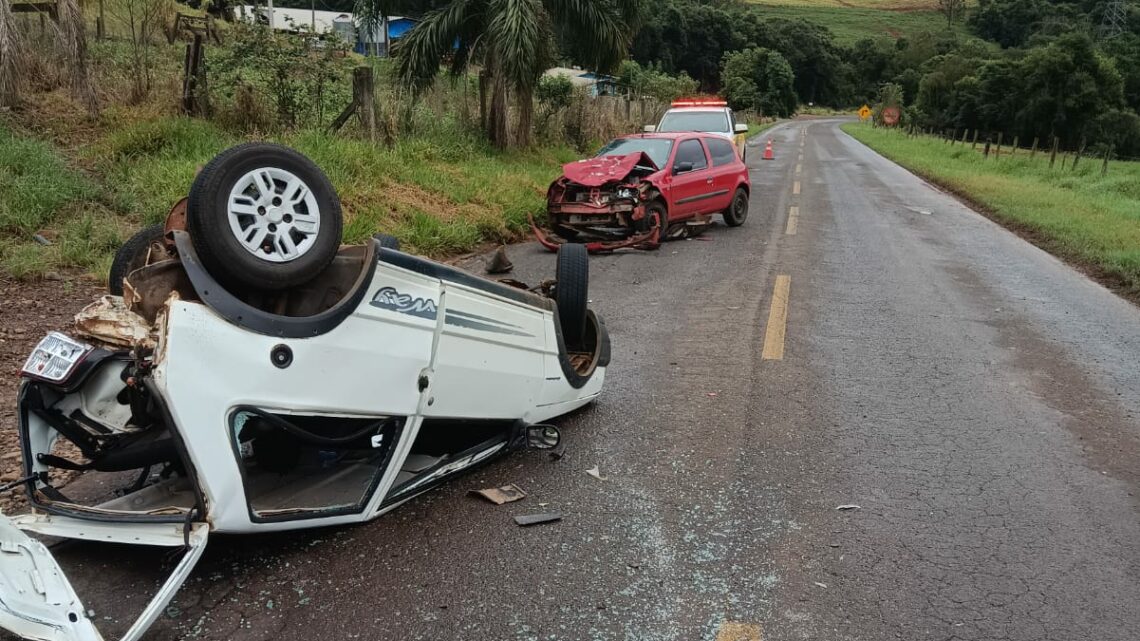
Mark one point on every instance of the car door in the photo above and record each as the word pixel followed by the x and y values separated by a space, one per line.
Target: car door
pixel 725 170
pixel 692 179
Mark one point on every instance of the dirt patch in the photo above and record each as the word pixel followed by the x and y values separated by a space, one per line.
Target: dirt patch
pixel 28 310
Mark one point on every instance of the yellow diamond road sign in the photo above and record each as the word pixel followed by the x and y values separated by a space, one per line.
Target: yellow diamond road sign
pixel 864 112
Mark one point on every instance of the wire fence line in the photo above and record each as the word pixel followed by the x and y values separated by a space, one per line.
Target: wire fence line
pixel 990 143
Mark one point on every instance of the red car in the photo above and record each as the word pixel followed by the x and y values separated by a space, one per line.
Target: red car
pixel 645 188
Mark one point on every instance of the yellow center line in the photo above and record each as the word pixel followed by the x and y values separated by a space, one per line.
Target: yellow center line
pixel 734 631
pixel 796 187
pixel 777 320
pixel 793 218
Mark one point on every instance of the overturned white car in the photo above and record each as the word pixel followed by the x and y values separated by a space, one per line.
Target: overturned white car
pixel 256 376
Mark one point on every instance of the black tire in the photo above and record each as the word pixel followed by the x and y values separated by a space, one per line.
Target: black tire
pixel 223 254
pixel 131 256
pixel 737 211
pixel 656 209
pixel 387 241
pixel 571 293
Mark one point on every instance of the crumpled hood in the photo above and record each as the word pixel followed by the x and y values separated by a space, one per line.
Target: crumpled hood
pixel 595 172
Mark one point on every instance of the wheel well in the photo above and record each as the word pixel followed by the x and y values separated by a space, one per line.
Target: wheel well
pixel 654 195
pixel 746 187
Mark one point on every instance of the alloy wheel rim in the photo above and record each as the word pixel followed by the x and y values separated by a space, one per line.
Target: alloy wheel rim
pixel 273 215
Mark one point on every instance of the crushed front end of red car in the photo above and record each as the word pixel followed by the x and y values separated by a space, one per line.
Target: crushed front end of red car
pixel 600 202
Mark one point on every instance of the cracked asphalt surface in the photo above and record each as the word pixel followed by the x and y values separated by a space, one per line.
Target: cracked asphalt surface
pixel 974 396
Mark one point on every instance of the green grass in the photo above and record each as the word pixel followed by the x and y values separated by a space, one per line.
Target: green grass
pixel 852 23
pixel 757 128
pixel 40 194
pixel 1080 215
pixel 442 193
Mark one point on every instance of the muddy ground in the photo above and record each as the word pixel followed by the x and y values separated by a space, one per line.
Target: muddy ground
pixel 28 310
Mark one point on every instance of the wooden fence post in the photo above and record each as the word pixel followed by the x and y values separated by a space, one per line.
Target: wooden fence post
pixel 100 23
pixel 975 145
pixel 964 133
pixel 997 153
pixel 1104 165
pixel 363 103
pixel 986 151
pixel 193 74
pixel 1053 156
pixel 364 99
pixel 1013 149
pixel 1077 158
pixel 1033 152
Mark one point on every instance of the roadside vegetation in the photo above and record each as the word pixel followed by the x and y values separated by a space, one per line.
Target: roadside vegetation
pixel 1079 214
pixel 468 128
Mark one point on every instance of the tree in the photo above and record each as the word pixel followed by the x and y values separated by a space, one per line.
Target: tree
pixel 951 9
pixel 514 42
pixel 759 79
pixel 1008 22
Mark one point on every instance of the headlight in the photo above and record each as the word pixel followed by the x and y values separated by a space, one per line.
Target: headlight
pixel 627 192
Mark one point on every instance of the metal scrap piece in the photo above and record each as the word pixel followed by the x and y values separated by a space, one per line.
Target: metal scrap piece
pixel 535 519
pixel 500 495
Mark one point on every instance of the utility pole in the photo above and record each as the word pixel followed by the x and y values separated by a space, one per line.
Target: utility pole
pixel 1114 20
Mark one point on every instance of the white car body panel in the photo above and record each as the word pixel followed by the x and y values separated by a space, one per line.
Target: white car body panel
pixel 38 602
pixel 416 346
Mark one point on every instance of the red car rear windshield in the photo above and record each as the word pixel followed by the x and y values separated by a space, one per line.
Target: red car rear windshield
pixel 703 121
pixel 656 148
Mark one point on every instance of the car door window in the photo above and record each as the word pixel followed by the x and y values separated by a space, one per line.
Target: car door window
pixel 691 151
pixel 722 151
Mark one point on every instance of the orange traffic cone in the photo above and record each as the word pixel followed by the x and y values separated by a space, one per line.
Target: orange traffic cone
pixel 768 151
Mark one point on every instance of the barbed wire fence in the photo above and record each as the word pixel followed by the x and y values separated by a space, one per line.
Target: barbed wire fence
pixel 995 145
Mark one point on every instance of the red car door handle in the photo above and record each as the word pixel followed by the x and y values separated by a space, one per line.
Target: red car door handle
pixel 709 181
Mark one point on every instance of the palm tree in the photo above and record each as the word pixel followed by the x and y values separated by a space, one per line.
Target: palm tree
pixel 514 42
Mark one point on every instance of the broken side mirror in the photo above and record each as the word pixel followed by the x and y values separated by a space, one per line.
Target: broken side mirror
pixel 542 437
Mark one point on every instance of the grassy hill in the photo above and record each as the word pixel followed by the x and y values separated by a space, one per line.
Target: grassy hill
pixel 852 20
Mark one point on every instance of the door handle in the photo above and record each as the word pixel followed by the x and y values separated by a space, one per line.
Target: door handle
pixel 708 181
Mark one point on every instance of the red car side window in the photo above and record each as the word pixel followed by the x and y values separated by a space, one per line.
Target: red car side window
pixel 691 151
pixel 721 150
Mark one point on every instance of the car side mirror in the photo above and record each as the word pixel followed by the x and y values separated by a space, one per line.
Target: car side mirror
pixel 740 128
pixel 682 167
pixel 649 129
pixel 542 437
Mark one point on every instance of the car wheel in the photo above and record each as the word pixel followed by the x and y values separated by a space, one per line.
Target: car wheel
pixel 131 256
pixel 263 216
pixel 387 241
pixel 571 291
pixel 656 211
pixel 737 211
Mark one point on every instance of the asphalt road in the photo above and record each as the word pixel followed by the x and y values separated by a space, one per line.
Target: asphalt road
pixel 973 396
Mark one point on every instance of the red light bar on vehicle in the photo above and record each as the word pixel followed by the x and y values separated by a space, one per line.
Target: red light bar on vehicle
pixel 699 102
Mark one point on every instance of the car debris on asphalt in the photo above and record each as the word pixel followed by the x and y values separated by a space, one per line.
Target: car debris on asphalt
pixel 594 472
pixel 527 520
pixel 501 495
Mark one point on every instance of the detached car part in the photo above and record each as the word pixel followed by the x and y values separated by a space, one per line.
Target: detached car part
pixel 241 386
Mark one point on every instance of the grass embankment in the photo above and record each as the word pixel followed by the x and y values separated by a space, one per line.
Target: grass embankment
pixel 1080 215
pixel 440 197
pixel 854 20
pixel 757 128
